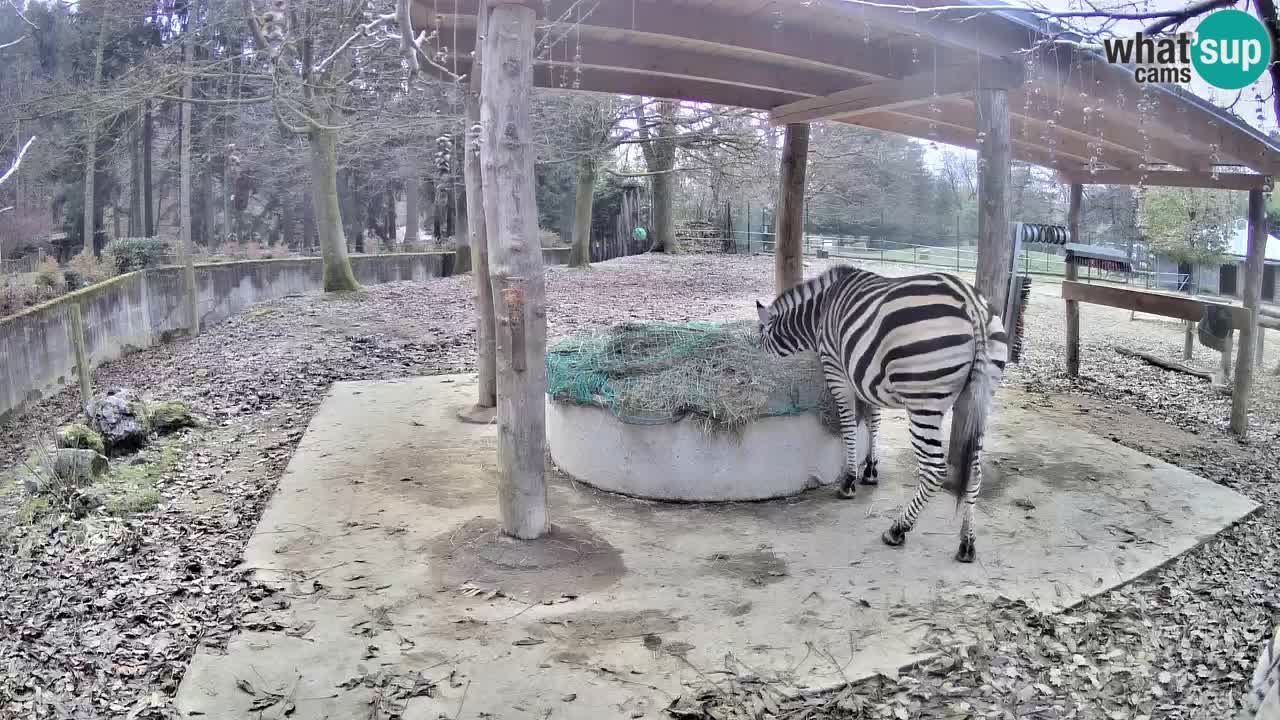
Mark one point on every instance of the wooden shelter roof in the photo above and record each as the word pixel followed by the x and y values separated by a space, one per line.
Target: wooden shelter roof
pixel 912 73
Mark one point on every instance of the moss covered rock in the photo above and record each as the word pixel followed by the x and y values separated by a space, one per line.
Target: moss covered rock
pixel 79 436
pixel 172 415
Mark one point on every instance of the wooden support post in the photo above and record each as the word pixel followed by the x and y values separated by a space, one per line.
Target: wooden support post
pixel 1262 341
pixel 1224 368
pixel 1188 339
pixel 1252 297
pixel 487 387
pixel 995 242
pixel 75 333
pixel 788 254
pixel 1072 273
pixel 515 267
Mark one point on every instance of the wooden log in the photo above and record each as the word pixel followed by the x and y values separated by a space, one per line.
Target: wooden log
pixel 1179 307
pixel 515 268
pixel 486 381
pixel 995 241
pixel 1072 273
pixel 788 255
pixel 75 333
pixel 1166 364
pixel 1252 297
pixel 1188 339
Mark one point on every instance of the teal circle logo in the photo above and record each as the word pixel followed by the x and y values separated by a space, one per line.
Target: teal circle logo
pixel 1232 49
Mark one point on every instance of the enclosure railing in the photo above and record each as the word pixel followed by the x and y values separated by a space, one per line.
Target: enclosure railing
pixel 959 258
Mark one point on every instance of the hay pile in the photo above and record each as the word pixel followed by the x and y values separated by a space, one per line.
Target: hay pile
pixel 649 373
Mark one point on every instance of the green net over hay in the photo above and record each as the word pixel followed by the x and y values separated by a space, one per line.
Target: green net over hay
pixel 650 373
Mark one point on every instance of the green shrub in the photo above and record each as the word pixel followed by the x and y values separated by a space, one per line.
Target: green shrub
pixel 49 275
pixel 138 253
pixel 85 270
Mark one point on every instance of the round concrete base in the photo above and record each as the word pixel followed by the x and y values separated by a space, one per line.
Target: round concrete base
pixel 774 457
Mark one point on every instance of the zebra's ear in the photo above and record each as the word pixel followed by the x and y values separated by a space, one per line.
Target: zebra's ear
pixel 763 312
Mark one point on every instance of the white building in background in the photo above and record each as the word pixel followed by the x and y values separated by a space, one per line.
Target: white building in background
pixel 1226 279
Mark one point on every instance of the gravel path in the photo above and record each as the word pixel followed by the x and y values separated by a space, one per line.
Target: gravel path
pixel 98 618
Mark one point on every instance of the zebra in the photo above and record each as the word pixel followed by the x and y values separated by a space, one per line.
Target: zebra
pixel 925 344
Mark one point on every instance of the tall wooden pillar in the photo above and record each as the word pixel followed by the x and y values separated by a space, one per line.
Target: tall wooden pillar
pixel 1252 297
pixel 487 395
pixel 515 267
pixel 788 252
pixel 995 242
pixel 1072 273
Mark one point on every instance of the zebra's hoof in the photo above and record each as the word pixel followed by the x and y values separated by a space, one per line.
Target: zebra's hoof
pixel 893 537
pixel 846 484
pixel 870 474
pixel 846 491
pixel 967 551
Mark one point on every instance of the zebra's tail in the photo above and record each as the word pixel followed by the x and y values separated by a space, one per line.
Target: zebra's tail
pixel 969 418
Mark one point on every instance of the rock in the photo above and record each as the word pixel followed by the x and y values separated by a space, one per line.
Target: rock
pixel 62 470
pixel 121 419
pixel 78 467
pixel 77 435
pixel 170 416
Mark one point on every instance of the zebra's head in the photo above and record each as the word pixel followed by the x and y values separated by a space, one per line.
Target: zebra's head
pixel 769 336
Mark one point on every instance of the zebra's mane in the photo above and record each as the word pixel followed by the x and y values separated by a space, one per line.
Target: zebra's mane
pixel 812 288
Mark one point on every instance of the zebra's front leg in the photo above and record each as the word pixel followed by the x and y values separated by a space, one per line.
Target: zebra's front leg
pixel 926 441
pixel 848 408
pixel 870 460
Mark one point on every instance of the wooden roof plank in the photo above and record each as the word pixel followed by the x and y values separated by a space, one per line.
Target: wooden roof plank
pixel 1173 178
pixel 916 89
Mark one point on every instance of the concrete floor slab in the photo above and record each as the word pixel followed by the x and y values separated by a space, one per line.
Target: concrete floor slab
pixel 381 535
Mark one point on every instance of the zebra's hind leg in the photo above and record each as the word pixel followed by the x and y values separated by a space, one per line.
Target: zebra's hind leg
pixel 967 550
pixel 849 410
pixel 926 441
pixel 871 458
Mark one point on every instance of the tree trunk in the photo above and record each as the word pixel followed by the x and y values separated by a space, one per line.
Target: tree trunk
pixel 91 146
pixel 309 224
pixel 412 214
pixel 338 276
pixel 487 396
pixel 789 249
pixel 663 230
pixel 184 201
pixel 580 253
pixel 148 202
pixel 135 184
pixel 519 290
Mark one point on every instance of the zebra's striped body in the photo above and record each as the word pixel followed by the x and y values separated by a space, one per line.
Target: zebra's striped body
pixel 921 344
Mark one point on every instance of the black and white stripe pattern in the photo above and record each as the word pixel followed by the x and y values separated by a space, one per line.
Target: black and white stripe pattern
pixel 924 344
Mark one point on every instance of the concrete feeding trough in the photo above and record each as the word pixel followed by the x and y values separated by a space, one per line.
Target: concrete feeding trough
pixel 695 413
pixel 771 457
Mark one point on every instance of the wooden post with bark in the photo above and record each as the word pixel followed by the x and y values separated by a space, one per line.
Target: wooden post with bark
pixel 515 267
pixel 1188 339
pixel 995 239
pixel 75 333
pixel 1073 273
pixel 995 242
pixel 788 254
pixel 1252 297
pixel 487 395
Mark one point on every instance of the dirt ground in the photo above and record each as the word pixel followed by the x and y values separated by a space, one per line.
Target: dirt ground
pixel 99 618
